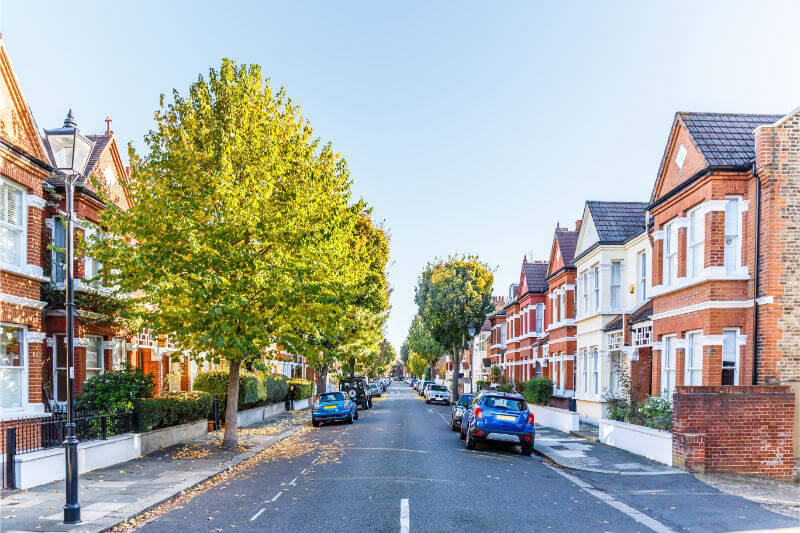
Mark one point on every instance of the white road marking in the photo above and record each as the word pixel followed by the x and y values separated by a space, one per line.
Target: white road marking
pixel 606 498
pixel 293 482
pixel 257 514
pixel 276 496
pixel 404 516
pixel 303 471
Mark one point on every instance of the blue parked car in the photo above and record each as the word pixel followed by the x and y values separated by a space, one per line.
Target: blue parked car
pixel 333 407
pixel 498 414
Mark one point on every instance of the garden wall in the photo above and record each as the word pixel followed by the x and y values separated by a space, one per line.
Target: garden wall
pixel 647 442
pixel 742 429
pixel 555 418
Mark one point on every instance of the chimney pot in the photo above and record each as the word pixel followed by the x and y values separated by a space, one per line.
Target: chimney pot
pixel 578 224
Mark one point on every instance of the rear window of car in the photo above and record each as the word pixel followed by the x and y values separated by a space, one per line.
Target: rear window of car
pixel 332 397
pixel 465 399
pixel 508 404
pixel 439 388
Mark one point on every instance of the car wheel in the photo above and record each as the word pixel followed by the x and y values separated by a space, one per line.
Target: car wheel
pixel 453 425
pixel 350 419
pixel 370 403
pixel 428 402
pixel 461 434
pixel 469 442
pixel 314 423
pixel 355 416
pixel 364 405
pixel 527 450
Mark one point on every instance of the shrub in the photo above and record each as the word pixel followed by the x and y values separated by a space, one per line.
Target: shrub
pixel 216 384
pixel 273 388
pixel 656 412
pixel 116 389
pixel 506 387
pixel 302 388
pixel 538 391
pixel 172 409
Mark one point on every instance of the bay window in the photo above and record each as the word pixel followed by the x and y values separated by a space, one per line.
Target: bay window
pixel 595 371
pixel 539 318
pixel 12 231
pixel 730 357
pixel 585 293
pixel 585 370
pixel 596 286
pixel 12 367
pixel 732 253
pixel 562 309
pixel 616 284
pixel 693 375
pixel 696 236
pixel 616 369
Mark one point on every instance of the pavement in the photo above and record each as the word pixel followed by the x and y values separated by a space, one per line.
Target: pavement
pixel 112 495
pixel 399 467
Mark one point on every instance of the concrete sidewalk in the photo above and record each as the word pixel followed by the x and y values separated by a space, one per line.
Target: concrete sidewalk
pixel 112 495
pixel 584 454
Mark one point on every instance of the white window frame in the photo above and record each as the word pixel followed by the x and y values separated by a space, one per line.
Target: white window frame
pixel 693 359
pixel 616 285
pixel 18 232
pixel 726 334
pixel 22 370
pixel 562 305
pixel 58 259
pixel 98 340
pixel 668 355
pixel 641 264
pixel 561 373
pixel 539 318
pixel 642 335
pixel 595 370
pixel 732 253
pixel 596 287
pixel 670 273
pixel 585 292
pixel 695 243
pixel 615 370
pixel 119 353
pixel 585 370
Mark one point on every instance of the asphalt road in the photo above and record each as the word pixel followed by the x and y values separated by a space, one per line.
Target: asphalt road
pixel 400 468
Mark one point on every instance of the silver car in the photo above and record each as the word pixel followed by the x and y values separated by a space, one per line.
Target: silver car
pixel 437 393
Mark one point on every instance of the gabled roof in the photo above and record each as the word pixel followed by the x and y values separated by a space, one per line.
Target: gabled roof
pixel 725 139
pixel 617 221
pixel 615 324
pixel 535 275
pixel 567 241
pixel 643 313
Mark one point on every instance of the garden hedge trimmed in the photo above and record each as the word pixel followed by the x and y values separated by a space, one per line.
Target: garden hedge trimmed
pixel 302 388
pixel 538 391
pixel 216 384
pixel 273 388
pixel 172 409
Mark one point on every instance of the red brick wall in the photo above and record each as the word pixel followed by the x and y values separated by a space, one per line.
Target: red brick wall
pixel 641 375
pixel 746 429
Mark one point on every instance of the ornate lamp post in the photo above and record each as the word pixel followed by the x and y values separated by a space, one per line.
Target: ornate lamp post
pixel 71 152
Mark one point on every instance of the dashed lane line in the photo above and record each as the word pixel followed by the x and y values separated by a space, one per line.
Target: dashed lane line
pixel 405 516
pixel 276 496
pixel 257 515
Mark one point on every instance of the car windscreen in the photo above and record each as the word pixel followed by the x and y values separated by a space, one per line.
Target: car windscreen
pixel 332 397
pixel 465 399
pixel 508 404
pixel 438 388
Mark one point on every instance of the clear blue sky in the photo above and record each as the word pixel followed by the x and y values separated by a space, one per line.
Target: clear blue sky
pixel 470 127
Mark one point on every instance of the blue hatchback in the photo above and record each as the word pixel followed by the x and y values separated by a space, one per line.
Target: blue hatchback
pixel 333 407
pixel 500 415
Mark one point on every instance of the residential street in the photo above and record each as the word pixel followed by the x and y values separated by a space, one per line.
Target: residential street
pixel 402 451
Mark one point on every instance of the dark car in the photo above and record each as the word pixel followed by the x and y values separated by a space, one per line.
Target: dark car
pixel 459 408
pixel 358 390
pixel 498 415
pixel 422 386
pixel 333 407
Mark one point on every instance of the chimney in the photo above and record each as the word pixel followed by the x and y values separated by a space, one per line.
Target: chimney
pixel 108 126
pixel 578 225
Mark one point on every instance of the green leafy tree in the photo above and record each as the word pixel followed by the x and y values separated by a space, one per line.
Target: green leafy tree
pixel 421 342
pixel 416 364
pixel 454 295
pixel 404 351
pixel 240 218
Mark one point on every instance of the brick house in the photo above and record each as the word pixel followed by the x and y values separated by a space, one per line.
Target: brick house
pixel 24 168
pixel 497 346
pixel 608 257
pixel 525 320
pixel 560 311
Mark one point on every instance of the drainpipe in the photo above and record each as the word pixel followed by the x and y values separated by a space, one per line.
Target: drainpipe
pixel 756 274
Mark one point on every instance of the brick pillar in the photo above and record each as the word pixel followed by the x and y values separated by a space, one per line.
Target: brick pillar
pixel 185 374
pixel 657 264
pixel 715 239
pixel 682 252
pixel 35 358
pixel 80 369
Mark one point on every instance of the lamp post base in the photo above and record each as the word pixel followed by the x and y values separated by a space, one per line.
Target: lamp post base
pixel 72 509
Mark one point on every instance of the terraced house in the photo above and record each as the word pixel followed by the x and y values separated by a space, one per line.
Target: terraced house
pixel 611 249
pixel 525 320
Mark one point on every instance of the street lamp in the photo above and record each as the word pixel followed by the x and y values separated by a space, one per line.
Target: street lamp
pixel 71 152
pixel 472 370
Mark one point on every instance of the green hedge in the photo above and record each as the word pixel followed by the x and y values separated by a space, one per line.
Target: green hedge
pixel 216 384
pixel 302 388
pixel 538 391
pixel 172 409
pixel 116 389
pixel 273 388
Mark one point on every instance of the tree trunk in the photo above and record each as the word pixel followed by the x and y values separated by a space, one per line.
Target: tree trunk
pixel 456 370
pixel 352 367
pixel 229 439
pixel 321 378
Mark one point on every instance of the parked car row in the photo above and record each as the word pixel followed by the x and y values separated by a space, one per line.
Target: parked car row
pixel 342 406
